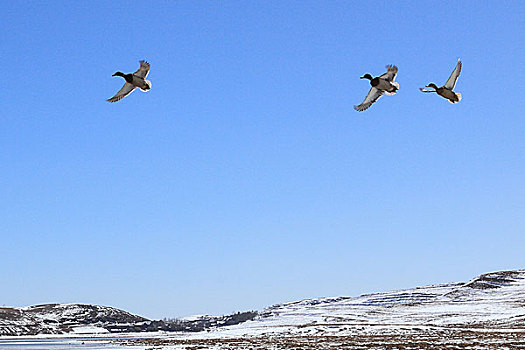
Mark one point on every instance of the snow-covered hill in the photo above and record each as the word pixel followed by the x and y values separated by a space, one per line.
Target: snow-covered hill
pixel 492 300
pixel 93 319
pixel 486 312
pixel 67 318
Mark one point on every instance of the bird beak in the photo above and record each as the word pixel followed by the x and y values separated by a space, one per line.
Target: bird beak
pixel 362 77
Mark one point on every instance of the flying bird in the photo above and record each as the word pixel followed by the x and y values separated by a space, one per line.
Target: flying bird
pixel 446 90
pixel 133 81
pixel 383 84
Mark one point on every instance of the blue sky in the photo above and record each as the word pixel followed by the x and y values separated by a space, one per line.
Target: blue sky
pixel 244 178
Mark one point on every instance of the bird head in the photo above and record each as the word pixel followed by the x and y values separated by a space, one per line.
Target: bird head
pixel 366 76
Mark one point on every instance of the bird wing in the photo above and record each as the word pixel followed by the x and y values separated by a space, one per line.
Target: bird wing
pixel 125 91
pixel 373 95
pixel 390 74
pixel 451 82
pixel 143 71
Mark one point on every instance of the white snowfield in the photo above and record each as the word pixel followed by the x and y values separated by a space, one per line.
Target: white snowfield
pixel 487 312
pixel 490 301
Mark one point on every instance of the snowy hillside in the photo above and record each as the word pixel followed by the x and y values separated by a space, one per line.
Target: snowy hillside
pixel 493 300
pixel 94 319
pixel 66 318
pixel 487 312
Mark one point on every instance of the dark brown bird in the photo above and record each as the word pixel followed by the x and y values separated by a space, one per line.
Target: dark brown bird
pixel 446 90
pixel 133 81
pixel 383 84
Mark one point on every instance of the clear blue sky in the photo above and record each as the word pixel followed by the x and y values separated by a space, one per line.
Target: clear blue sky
pixel 244 178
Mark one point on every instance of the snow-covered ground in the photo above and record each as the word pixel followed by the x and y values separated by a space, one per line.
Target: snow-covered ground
pixel 486 313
